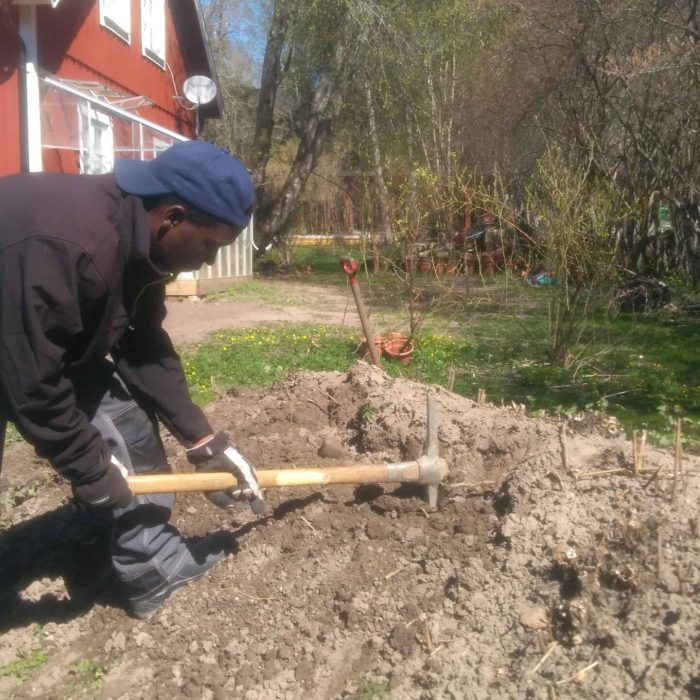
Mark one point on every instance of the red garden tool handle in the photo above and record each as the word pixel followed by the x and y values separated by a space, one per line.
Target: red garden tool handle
pixel 350 267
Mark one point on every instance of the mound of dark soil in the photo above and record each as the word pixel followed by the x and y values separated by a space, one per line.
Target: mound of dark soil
pixel 549 570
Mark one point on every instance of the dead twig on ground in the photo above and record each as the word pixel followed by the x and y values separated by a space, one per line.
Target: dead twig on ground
pixel 562 435
pixel 653 477
pixel 580 676
pixel 248 595
pixel 397 571
pixel 471 485
pixel 604 472
pixel 641 449
pixel 677 459
pixel 683 570
pixel 626 472
pixel 639 442
pixel 428 637
pixel 311 527
pixel 546 655
pixel 320 408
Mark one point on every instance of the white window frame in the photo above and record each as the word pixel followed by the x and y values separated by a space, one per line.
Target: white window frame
pixel 153 31
pixel 159 145
pixel 94 124
pixel 115 15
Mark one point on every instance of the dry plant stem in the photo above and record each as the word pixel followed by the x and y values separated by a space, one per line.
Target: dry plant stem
pixel 395 571
pixel 485 492
pixel 320 408
pixel 547 653
pixel 604 472
pixel 579 676
pixel 635 453
pixel 310 526
pixel 436 650
pixel 659 553
pixel 612 472
pixel 428 638
pixel 562 434
pixel 471 485
pixel 676 458
pixel 654 476
pixel 247 595
pixel 451 379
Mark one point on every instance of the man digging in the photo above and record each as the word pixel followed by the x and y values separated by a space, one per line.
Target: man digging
pixel 86 370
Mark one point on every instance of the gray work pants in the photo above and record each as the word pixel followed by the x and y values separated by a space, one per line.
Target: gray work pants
pixel 146 550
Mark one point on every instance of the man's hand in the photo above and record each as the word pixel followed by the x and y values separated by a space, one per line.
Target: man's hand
pixel 109 490
pixel 216 455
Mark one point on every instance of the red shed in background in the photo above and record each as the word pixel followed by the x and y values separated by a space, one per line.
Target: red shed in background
pixel 83 82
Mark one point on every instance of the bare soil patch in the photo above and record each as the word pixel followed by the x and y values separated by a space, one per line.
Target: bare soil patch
pixel 534 578
pixel 191 320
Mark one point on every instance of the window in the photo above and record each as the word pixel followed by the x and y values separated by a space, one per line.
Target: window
pixel 116 15
pixel 159 145
pixel 153 30
pixel 96 140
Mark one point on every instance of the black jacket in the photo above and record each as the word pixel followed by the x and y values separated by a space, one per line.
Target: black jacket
pixel 77 284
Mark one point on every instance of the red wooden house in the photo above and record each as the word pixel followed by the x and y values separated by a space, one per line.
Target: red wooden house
pixel 83 82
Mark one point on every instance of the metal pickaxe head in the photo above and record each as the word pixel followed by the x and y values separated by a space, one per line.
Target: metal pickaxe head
pixel 429 469
pixel 433 469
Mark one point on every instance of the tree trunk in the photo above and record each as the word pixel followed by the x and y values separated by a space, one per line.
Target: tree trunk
pixel 272 73
pixel 385 233
pixel 325 105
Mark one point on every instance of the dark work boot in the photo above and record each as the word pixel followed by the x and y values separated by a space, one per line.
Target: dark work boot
pixel 200 557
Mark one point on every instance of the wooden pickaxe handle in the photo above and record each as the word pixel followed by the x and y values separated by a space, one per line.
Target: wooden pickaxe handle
pixel 406 472
pixel 428 470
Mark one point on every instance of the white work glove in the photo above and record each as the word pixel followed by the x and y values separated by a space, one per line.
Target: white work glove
pixel 216 455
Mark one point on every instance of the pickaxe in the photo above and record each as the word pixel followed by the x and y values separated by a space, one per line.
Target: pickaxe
pixel 428 470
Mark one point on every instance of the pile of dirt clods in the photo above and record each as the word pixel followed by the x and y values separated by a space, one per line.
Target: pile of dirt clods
pixel 548 571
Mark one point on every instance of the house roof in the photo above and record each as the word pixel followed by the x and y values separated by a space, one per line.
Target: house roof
pixel 218 100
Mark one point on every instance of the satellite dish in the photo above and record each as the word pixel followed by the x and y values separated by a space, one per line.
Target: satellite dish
pixel 199 89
